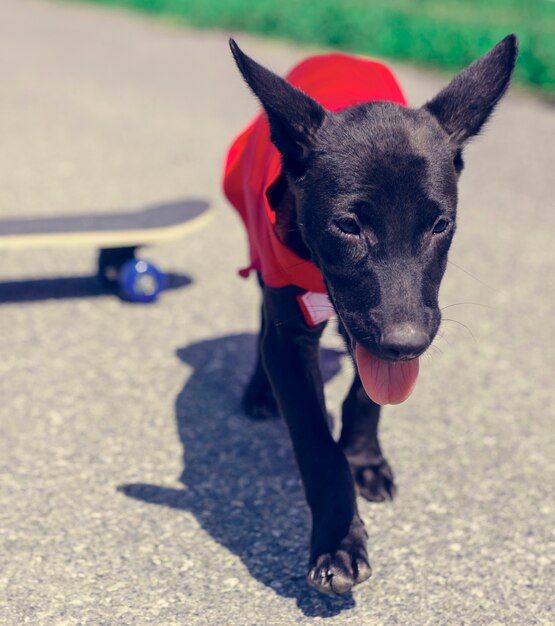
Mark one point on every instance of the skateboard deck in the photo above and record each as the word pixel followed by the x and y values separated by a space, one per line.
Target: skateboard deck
pixel 117 236
pixel 106 230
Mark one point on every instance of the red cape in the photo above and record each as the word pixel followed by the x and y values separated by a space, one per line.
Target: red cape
pixel 253 164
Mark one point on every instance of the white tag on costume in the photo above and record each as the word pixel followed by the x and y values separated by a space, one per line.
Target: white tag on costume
pixel 316 307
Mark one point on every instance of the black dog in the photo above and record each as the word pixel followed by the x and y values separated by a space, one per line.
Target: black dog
pixel 368 194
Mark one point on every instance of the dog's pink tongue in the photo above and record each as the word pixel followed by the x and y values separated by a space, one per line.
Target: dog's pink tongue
pixel 386 382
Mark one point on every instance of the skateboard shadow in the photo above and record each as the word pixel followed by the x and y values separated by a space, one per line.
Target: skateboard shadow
pixel 66 288
pixel 240 477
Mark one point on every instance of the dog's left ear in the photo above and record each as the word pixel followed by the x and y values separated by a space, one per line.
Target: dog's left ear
pixel 467 102
pixel 294 117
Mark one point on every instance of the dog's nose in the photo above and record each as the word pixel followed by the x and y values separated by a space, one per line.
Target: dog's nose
pixel 404 341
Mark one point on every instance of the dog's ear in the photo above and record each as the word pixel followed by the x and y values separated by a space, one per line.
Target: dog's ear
pixel 294 117
pixel 467 102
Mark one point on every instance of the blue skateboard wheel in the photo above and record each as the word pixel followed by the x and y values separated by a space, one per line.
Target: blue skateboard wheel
pixel 141 281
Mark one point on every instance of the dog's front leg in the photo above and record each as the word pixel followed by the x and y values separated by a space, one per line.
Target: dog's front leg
pixel 338 556
pixel 359 441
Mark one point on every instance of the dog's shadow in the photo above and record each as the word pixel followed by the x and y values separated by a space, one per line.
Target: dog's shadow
pixel 240 477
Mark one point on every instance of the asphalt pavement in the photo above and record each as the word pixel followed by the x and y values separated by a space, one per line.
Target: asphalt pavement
pixel 132 489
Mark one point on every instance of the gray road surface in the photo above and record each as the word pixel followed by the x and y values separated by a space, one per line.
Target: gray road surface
pixel 132 489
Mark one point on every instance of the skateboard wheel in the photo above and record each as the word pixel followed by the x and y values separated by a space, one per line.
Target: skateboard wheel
pixel 140 281
pixel 110 261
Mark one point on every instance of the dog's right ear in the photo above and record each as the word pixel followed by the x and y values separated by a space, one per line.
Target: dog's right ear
pixel 469 99
pixel 294 117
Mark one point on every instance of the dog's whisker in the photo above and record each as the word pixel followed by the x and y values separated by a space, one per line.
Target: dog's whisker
pixel 434 347
pixel 486 306
pixel 472 276
pixel 441 337
pixel 322 307
pixel 445 319
pixel 298 316
pixel 289 319
pixel 302 262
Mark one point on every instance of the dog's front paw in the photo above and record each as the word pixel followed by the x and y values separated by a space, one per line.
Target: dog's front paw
pixel 339 571
pixel 375 481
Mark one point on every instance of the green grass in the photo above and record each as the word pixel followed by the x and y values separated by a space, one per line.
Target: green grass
pixel 441 33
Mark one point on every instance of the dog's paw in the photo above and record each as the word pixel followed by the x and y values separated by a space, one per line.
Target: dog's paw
pixel 338 572
pixel 259 403
pixel 375 481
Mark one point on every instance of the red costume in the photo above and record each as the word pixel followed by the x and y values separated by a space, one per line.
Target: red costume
pixel 253 164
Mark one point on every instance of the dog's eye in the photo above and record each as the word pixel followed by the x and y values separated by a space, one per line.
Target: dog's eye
pixel 440 226
pixel 348 225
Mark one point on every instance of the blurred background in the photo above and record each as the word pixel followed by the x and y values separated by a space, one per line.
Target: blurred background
pixel 436 33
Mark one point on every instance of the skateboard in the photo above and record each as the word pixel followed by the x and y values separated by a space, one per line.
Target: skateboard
pixel 117 236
